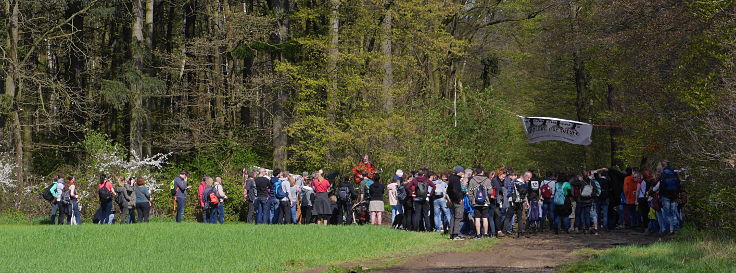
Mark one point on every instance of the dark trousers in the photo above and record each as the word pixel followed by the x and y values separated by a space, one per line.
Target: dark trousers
pixel 144 210
pixel 250 217
pixel 306 215
pixel 125 213
pixel 284 212
pixel 262 210
pixel 64 213
pixel 345 207
pixel 458 210
pixel 516 209
pixel 644 212
pixel 180 203
pixel 54 211
pixel 583 221
pixel 421 216
pixel 75 211
pixel 105 211
pixel 548 213
pixel 408 214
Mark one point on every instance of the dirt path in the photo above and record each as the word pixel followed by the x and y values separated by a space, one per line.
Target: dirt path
pixel 539 253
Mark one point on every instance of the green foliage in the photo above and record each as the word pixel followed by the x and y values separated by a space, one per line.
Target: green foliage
pixel 168 247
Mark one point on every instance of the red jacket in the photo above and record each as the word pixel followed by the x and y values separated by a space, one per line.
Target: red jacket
pixel 201 188
pixel 362 166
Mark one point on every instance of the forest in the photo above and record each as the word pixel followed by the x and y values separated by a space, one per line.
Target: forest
pixel 150 87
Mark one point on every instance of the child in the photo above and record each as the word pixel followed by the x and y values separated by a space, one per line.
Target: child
pixel 653 224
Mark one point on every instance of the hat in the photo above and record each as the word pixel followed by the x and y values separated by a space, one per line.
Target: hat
pixel 399 173
pixel 458 169
pixel 396 178
pixel 305 174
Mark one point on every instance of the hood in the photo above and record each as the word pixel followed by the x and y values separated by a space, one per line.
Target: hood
pixel 422 179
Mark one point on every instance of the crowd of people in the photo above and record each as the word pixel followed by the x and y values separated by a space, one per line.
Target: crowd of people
pixel 471 202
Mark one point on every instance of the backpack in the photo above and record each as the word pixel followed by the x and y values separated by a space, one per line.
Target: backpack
pixel 534 185
pixel 120 198
pixel 596 188
pixel 173 187
pixel 656 202
pixel 546 190
pixel 46 194
pixel 559 194
pixel 210 198
pixel 586 191
pixel 307 197
pixel 343 194
pixel 401 193
pixel 66 198
pixel 670 181
pixel 421 190
pixel 481 195
pixel 534 211
pixel 104 193
pixel 605 186
pixel 279 192
pixel 520 191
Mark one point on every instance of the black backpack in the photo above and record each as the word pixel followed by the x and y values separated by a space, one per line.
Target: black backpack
pixel 401 193
pixel 605 187
pixel 66 198
pixel 307 198
pixel 105 194
pixel 421 191
pixel 46 194
pixel 343 194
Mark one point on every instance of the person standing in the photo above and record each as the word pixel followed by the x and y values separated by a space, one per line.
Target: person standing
pixel 345 195
pixel 220 192
pixel 456 196
pixel 249 194
pixel 76 215
pixel 122 197
pixel 547 193
pixel 282 194
pixel 478 189
pixel 641 200
pixel 393 199
pixel 273 202
pixel 56 190
pixel 419 190
pixel 519 203
pixel 306 202
pixel 322 206
pixel 439 201
pixel 143 200
pixel 630 196
pixel 263 187
pixel 180 184
pixel 497 206
pixel 296 186
pixel 376 206
pixel 365 165
pixel 106 195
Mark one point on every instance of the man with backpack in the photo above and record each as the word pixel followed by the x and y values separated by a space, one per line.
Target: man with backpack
pixel 669 191
pixel 180 188
pixel 518 203
pixel 547 193
pixel 274 202
pixel 583 189
pixel 419 190
pixel 497 201
pixel 282 195
pixel 478 193
pixel 106 195
pixel 52 193
pixel 261 204
pixel 345 194
pixel 534 215
pixel 602 201
pixel 439 203
pixel 220 192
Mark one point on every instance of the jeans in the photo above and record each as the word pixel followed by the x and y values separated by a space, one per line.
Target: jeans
pixel 630 219
pixel 396 210
pixel 492 209
pixel 602 212
pixel 180 203
pixel 562 222
pixel 457 217
pixel 209 215
pixel 548 212
pixel 584 221
pixel 344 212
pixel 501 223
pixel 284 212
pixel 421 216
pixel 293 212
pixel 76 213
pixel 144 209
pixel 54 211
pixel 441 209
pixel 273 211
pixel 662 221
pixel 105 211
pixel 670 213
pixel 220 212
pixel 262 210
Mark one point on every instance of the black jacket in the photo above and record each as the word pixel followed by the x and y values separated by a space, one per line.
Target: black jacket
pixel 454 189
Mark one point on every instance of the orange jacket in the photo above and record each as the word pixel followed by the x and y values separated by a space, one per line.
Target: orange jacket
pixel 629 190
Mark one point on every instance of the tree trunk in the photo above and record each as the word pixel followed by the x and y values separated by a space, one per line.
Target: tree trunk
pixel 12 85
pixel 332 59
pixel 136 104
pixel 388 67
pixel 280 138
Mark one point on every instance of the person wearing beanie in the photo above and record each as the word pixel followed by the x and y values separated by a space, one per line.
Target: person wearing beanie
pixel 455 193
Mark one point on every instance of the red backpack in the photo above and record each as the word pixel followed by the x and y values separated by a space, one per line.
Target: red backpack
pixel 546 191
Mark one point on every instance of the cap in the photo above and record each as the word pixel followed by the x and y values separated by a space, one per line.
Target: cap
pixel 458 169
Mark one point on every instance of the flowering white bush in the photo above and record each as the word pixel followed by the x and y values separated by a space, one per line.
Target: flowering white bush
pixel 7 167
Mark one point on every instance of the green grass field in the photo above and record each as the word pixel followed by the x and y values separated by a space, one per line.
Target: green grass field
pixel 690 251
pixel 192 247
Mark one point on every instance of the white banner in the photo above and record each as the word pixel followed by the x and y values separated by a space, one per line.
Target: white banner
pixel 540 129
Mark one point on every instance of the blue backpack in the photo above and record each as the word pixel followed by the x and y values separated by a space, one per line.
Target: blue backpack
pixel 279 192
pixel 481 195
pixel 559 194
pixel 670 181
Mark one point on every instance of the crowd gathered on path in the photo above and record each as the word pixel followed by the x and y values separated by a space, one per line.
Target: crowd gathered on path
pixel 464 203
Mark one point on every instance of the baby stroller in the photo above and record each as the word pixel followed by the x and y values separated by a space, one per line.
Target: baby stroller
pixel 361 215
